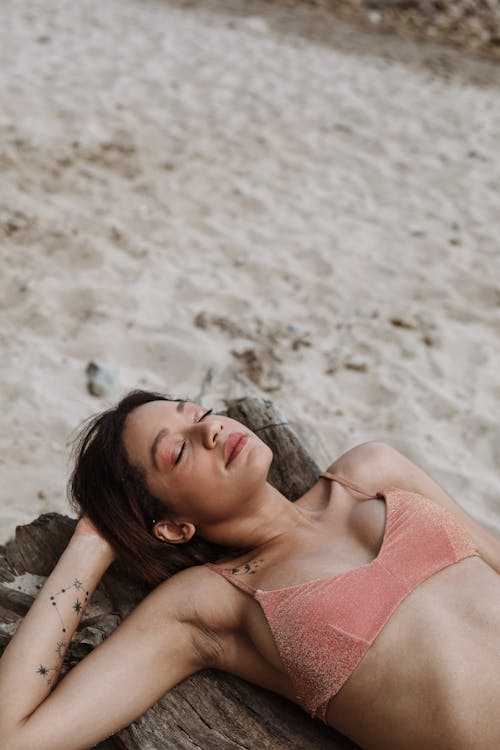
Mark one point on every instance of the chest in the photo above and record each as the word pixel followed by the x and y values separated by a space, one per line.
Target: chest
pixel 351 536
pixel 348 534
pixel 310 634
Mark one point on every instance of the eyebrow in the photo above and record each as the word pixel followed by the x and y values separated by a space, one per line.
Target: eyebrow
pixel 163 433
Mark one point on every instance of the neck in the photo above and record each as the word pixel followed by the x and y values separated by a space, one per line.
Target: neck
pixel 269 516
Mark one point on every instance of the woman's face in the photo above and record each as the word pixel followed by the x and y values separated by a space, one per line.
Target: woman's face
pixel 204 466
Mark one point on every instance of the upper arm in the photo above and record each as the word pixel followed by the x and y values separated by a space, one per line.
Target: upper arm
pixel 151 651
pixel 377 465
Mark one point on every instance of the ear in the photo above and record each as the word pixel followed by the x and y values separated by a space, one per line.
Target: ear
pixel 177 532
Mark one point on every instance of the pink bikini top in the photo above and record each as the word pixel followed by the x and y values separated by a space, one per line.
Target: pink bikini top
pixel 323 628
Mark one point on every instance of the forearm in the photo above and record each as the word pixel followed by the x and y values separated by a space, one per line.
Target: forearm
pixel 31 663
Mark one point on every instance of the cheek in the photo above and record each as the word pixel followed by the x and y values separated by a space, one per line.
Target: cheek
pixel 162 486
pixel 261 459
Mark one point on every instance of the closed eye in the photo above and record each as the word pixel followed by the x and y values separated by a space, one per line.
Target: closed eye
pixel 179 455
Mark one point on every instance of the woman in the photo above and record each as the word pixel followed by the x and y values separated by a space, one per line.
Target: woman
pixel 373 601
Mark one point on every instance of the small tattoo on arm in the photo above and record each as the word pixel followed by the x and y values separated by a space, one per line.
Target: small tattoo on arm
pixel 50 674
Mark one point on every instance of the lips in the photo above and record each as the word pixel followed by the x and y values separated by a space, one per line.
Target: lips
pixel 234 444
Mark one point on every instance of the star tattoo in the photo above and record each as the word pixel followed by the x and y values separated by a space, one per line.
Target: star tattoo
pixel 50 674
pixel 45 673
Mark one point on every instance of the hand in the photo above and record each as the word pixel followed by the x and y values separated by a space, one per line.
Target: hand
pixel 85 529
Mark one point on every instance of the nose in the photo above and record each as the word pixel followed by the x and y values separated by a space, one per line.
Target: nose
pixel 212 429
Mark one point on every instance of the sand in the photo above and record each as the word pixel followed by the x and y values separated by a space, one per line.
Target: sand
pixel 225 198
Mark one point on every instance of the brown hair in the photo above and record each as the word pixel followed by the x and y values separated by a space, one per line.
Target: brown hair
pixel 114 494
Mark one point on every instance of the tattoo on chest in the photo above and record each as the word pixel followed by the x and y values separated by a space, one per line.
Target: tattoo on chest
pixel 79 597
pixel 249 567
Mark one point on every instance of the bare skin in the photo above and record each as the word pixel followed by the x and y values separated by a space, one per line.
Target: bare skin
pixel 429 680
pixel 441 694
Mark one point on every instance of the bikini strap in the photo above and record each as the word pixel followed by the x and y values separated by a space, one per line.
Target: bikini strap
pixel 229 576
pixel 346 483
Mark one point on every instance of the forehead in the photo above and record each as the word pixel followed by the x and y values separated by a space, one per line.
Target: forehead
pixel 148 415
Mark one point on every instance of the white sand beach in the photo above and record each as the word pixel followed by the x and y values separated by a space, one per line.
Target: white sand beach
pixel 216 199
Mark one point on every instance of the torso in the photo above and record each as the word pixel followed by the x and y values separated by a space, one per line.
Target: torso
pixel 424 666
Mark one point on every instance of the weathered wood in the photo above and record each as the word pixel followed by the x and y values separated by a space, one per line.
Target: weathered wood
pixel 209 710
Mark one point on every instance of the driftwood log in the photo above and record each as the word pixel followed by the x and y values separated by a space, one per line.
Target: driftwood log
pixel 209 710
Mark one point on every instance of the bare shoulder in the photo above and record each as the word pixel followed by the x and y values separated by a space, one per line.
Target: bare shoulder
pixel 197 595
pixel 367 465
pixel 377 465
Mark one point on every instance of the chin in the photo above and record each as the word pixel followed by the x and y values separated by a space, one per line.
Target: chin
pixel 270 456
pixel 261 460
